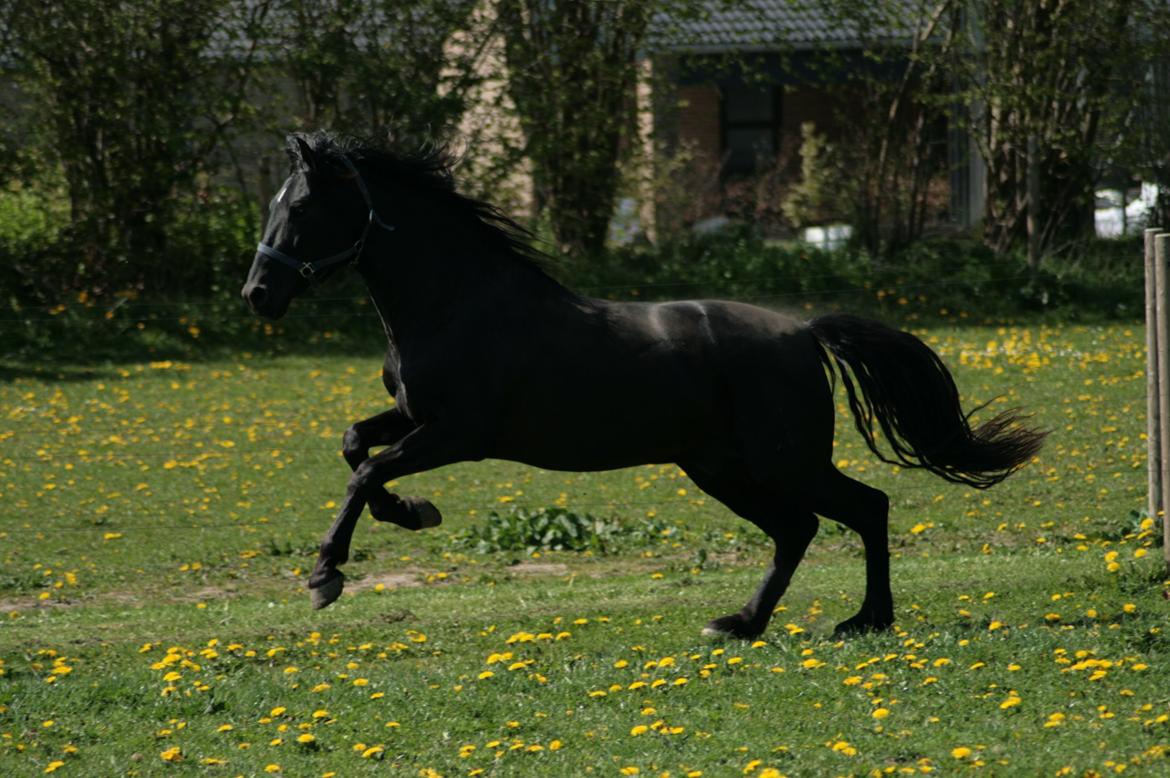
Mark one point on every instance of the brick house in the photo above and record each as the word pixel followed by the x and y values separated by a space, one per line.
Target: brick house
pixel 733 88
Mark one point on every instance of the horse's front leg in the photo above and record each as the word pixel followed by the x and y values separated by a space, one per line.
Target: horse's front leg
pixel 385 429
pixel 424 448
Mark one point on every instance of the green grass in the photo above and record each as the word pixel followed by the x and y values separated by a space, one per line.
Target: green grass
pixel 158 521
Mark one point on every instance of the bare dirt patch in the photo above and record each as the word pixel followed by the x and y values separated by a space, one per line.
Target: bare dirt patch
pixel 31 603
pixel 400 580
pixel 539 568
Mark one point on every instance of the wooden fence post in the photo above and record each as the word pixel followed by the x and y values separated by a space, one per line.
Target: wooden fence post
pixel 1162 288
pixel 1153 415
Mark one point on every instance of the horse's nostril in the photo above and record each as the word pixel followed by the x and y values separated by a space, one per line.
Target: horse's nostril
pixel 256 295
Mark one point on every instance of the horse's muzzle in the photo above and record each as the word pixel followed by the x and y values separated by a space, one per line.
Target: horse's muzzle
pixel 255 295
pixel 262 302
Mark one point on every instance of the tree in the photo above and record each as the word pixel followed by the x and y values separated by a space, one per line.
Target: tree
pixel 1053 95
pixel 572 72
pixel 1040 80
pixel 1138 121
pixel 381 68
pixel 887 160
pixel 130 98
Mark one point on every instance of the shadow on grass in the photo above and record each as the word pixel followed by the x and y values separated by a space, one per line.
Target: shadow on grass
pixel 72 342
pixel 11 371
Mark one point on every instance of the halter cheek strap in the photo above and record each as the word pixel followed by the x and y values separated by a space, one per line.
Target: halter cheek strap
pixel 310 270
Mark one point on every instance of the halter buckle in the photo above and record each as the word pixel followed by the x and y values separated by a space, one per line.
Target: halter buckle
pixel 307 271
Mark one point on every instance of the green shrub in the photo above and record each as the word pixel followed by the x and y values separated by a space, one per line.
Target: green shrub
pixel 938 278
pixel 558 529
pixel 29 219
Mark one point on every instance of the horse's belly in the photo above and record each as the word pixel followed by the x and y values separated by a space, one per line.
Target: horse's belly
pixel 593 438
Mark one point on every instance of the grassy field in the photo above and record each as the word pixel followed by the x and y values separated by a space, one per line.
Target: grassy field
pixel 158 521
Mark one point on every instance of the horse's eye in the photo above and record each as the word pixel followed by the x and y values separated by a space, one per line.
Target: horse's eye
pixel 297 209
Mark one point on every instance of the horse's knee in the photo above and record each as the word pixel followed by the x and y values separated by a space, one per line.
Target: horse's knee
pixel 351 442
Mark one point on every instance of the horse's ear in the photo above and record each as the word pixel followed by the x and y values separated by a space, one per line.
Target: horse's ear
pixel 305 154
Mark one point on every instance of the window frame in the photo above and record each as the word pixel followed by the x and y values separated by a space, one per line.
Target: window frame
pixel 775 94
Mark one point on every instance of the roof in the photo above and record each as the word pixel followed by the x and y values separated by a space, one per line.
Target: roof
pixel 766 25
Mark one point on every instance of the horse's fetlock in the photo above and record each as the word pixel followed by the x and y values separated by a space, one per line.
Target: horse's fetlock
pixel 327 550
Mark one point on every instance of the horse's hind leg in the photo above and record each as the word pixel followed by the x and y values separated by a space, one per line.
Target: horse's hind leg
pixel 791 528
pixel 864 510
pixel 386 429
pixel 791 534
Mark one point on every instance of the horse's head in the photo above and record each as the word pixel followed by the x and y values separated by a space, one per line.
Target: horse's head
pixel 318 221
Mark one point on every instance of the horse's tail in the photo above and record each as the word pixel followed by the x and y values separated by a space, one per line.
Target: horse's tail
pixel 909 391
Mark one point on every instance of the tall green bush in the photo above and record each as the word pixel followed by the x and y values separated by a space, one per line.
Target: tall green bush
pixel 130 100
pixel 402 68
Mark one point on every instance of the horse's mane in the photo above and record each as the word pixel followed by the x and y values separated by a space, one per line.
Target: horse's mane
pixel 427 168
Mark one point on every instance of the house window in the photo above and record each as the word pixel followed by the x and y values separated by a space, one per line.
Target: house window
pixel 750 117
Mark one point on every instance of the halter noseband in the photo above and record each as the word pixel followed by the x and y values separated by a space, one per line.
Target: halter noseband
pixel 309 270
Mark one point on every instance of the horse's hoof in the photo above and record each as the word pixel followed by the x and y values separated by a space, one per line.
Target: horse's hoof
pixel 427 514
pixel 326 593
pixel 734 626
pixel 861 625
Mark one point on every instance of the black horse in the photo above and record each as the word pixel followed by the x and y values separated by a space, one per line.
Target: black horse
pixel 489 357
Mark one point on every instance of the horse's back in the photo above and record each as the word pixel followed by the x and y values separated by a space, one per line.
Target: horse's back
pixel 653 382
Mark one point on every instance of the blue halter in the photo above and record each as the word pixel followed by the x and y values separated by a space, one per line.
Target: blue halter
pixel 310 270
